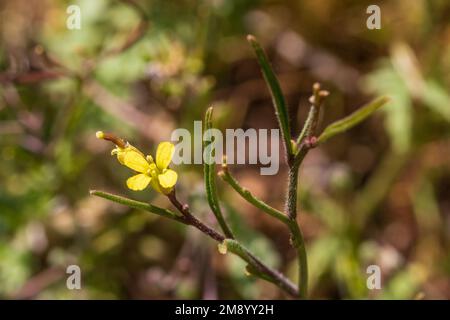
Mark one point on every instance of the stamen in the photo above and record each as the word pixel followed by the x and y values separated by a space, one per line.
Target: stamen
pixel 149 159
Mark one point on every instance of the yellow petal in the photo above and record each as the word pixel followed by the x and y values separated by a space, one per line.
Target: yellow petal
pixel 131 147
pixel 135 160
pixel 138 182
pixel 164 155
pixel 121 157
pixel 120 152
pixel 168 179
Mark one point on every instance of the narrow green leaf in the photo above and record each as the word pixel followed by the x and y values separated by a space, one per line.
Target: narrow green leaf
pixel 137 204
pixel 209 176
pixel 275 90
pixel 353 119
pixel 247 195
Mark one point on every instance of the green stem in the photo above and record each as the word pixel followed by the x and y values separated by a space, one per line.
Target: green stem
pixel 247 195
pixel 307 125
pixel 263 271
pixel 298 243
pixel 138 205
pixel 297 239
pixel 291 201
pixel 310 127
pixel 258 268
pixel 209 176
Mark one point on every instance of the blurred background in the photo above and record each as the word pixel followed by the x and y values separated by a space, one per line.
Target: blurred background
pixel 378 194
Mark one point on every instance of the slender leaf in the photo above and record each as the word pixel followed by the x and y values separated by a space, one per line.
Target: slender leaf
pixel 209 176
pixel 352 120
pixel 247 195
pixel 137 204
pixel 275 90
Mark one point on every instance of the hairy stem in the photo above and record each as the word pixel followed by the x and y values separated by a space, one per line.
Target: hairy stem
pixel 297 240
pixel 259 269
pixel 291 201
pixel 306 140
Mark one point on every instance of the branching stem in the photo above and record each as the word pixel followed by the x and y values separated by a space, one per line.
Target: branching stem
pixel 264 271
pixel 255 266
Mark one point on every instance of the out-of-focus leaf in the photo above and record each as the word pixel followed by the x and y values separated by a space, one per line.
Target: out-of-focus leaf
pixel 406 64
pixel 437 99
pixel 321 255
pixel 352 120
pixel 352 282
pixel 405 284
pixel 14 268
pixel 398 120
pixel 426 207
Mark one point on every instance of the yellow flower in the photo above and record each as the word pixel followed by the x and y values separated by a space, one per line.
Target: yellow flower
pixel 150 172
pixel 156 174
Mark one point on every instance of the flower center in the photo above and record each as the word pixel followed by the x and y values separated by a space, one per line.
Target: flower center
pixel 152 171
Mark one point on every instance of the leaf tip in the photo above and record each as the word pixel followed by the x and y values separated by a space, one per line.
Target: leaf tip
pixel 222 247
pixel 208 114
